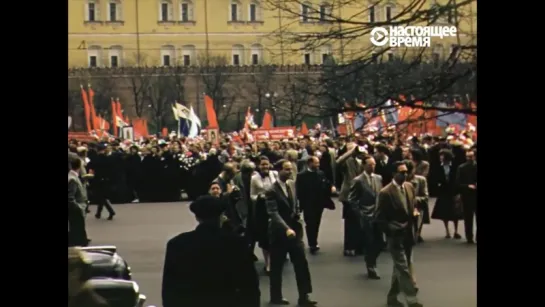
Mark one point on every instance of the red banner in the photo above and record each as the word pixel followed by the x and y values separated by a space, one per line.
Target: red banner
pixel 275 134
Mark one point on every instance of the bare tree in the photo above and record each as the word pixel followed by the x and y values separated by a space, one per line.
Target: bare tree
pixel 296 100
pixel 139 82
pixel 75 104
pixel 218 84
pixel 262 83
pixel 162 92
pixel 105 89
pixel 364 72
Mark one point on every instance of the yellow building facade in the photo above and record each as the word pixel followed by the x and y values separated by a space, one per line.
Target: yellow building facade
pixel 106 33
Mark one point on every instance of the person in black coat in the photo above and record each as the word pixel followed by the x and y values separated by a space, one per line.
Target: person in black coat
pixel 313 190
pixel 385 162
pixel 466 179
pixel 446 208
pixel 133 166
pixel 102 168
pixel 208 267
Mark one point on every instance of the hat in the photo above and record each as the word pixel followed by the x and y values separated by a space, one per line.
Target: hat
pixel 207 207
pixel 101 146
pixel 81 149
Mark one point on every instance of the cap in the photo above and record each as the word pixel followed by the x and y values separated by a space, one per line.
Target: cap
pixel 207 207
pixel 101 146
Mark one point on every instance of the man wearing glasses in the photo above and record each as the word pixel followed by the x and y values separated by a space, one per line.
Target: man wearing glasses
pixel 397 215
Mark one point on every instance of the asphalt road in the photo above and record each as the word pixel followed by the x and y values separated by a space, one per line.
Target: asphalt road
pixel 445 268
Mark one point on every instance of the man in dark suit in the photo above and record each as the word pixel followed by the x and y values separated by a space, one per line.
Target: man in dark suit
pixel 350 165
pixel 466 179
pixel 286 236
pixel 384 163
pixel 313 190
pixel 102 167
pixel 396 214
pixel 208 267
pixel 363 199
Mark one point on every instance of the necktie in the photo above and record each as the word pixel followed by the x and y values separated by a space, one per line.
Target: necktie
pixel 290 195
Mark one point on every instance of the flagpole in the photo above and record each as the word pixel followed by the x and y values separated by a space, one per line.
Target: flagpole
pixel 179 127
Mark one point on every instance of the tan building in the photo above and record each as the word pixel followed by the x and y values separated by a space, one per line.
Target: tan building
pixel 106 33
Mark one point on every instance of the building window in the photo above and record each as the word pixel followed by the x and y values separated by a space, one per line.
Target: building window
pixel 167 55
pixel 325 12
pixel 113 11
pixel 436 54
pixel 188 53
pixel 372 14
pixel 93 61
pixel 390 56
pixel 187 60
pixel 115 56
pixel 114 61
pixel 326 53
pixel 234 11
pixel 238 53
pixel 165 10
pixel 454 50
pixel 306 58
pixel 186 11
pixel 374 57
pixel 257 54
pixel 253 12
pixel 92 10
pixel 389 13
pixel 166 60
pixel 305 12
pixel 93 54
pixel 450 16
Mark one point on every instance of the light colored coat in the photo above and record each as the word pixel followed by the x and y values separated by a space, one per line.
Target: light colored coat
pixel 77 196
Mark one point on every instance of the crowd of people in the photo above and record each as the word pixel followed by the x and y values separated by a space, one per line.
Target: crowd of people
pixel 262 192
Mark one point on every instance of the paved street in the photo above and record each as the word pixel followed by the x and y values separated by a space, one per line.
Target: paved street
pixel 445 269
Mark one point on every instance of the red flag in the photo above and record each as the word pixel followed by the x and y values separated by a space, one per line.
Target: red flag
pixel 267 121
pixel 210 112
pixel 304 129
pixel 86 108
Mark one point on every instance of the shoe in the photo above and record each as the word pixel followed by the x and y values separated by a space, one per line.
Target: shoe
pixel 470 241
pixel 111 217
pixel 372 273
pixel 448 236
pixel 349 253
pixel 306 302
pixel 314 249
pixel 97 216
pixel 457 236
pixel 420 240
pixel 279 301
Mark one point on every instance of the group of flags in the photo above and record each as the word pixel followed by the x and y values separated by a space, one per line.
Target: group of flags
pixel 416 120
pixel 189 123
pixel 249 122
pixel 96 124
